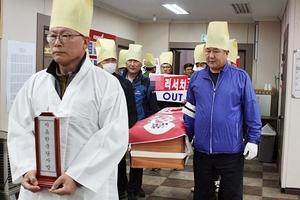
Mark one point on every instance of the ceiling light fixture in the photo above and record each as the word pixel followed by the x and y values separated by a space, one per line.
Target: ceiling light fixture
pixel 175 9
pixel 241 8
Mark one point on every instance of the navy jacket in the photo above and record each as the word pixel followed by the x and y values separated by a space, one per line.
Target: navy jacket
pixel 130 99
pixel 145 96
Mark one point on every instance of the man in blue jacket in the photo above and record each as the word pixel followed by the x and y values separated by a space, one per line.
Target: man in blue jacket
pixel 219 99
pixel 146 104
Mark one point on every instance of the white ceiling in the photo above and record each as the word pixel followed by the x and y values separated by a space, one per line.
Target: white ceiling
pixel 200 10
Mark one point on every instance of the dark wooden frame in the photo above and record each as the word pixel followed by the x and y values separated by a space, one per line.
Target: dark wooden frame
pixel 47 181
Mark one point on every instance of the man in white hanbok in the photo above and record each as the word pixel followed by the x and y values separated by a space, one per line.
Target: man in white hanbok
pixel 91 106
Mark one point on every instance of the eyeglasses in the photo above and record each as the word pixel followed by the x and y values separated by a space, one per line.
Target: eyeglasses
pixel 64 38
pixel 165 67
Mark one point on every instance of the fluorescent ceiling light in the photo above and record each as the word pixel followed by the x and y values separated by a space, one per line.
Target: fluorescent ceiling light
pixel 175 9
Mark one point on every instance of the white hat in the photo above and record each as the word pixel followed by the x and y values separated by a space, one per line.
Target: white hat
pixel 166 57
pixel 217 35
pixel 149 61
pixel 105 48
pixel 135 52
pixel 199 53
pixel 75 14
pixel 233 50
pixel 122 58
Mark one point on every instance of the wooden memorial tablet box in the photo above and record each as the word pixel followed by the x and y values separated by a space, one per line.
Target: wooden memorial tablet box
pixel 47 147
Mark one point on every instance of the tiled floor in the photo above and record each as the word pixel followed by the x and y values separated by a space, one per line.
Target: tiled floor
pixel 261 182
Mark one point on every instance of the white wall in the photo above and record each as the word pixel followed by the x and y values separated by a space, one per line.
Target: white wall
pixel 21 25
pixel 111 23
pixel 290 172
pixel 187 32
pixel 267 65
pixel 154 37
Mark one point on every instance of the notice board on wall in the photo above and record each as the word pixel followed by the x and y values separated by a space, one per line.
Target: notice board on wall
pixel 296 75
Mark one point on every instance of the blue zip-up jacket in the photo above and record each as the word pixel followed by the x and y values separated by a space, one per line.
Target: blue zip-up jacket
pixel 145 96
pixel 217 124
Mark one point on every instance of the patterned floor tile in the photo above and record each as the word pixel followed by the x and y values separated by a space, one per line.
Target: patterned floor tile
pixel 253 182
pixel 261 182
pixel 171 192
pixel 275 193
pixel 252 190
pixel 153 180
pixel 180 183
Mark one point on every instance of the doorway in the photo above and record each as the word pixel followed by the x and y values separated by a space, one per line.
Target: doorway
pixel 43 53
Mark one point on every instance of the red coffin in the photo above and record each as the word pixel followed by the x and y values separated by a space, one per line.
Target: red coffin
pixel 159 141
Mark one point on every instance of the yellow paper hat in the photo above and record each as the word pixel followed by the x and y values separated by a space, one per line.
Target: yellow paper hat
pixel 135 52
pixel 149 60
pixel 217 35
pixel 233 50
pixel 122 58
pixel 199 53
pixel 105 48
pixel 75 14
pixel 166 57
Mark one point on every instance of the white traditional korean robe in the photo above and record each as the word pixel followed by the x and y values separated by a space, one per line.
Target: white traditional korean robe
pixel 93 131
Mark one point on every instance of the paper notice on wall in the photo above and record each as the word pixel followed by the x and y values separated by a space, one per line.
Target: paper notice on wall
pixel 296 75
pixel 20 66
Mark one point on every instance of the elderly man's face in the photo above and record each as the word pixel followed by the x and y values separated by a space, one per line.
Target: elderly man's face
pixel 216 58
pixel 133 66
pixel 70 50
pixel 166 68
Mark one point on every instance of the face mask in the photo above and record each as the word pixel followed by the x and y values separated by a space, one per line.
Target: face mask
pixel 121 73
pixel 109 67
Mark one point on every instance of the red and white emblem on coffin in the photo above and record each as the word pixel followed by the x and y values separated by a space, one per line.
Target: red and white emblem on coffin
pixel 160 141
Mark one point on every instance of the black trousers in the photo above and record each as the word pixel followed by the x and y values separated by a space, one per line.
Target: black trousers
pixel 135 180
pixel 229 167
pixel 122 176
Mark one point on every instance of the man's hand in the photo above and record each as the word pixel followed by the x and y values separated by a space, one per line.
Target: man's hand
pixel 64 185
pixel 250 151
pixel 30 182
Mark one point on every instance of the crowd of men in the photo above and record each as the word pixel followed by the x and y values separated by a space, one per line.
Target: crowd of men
pixel 96 106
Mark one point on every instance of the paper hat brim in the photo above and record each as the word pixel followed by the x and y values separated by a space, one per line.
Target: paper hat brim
pixel 75 14
pixel 233 50
pixel 122 58
pixel 166 57
pixel 217 35
pixel 135 52
pixel 105 48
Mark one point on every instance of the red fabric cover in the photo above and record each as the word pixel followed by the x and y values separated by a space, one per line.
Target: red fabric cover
pixel 164 125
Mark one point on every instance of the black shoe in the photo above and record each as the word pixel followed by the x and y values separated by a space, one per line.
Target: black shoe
pixel 155 169
pixel 141 193
pixel 131 196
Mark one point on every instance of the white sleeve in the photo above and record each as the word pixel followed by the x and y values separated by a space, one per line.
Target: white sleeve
pixel 20 138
